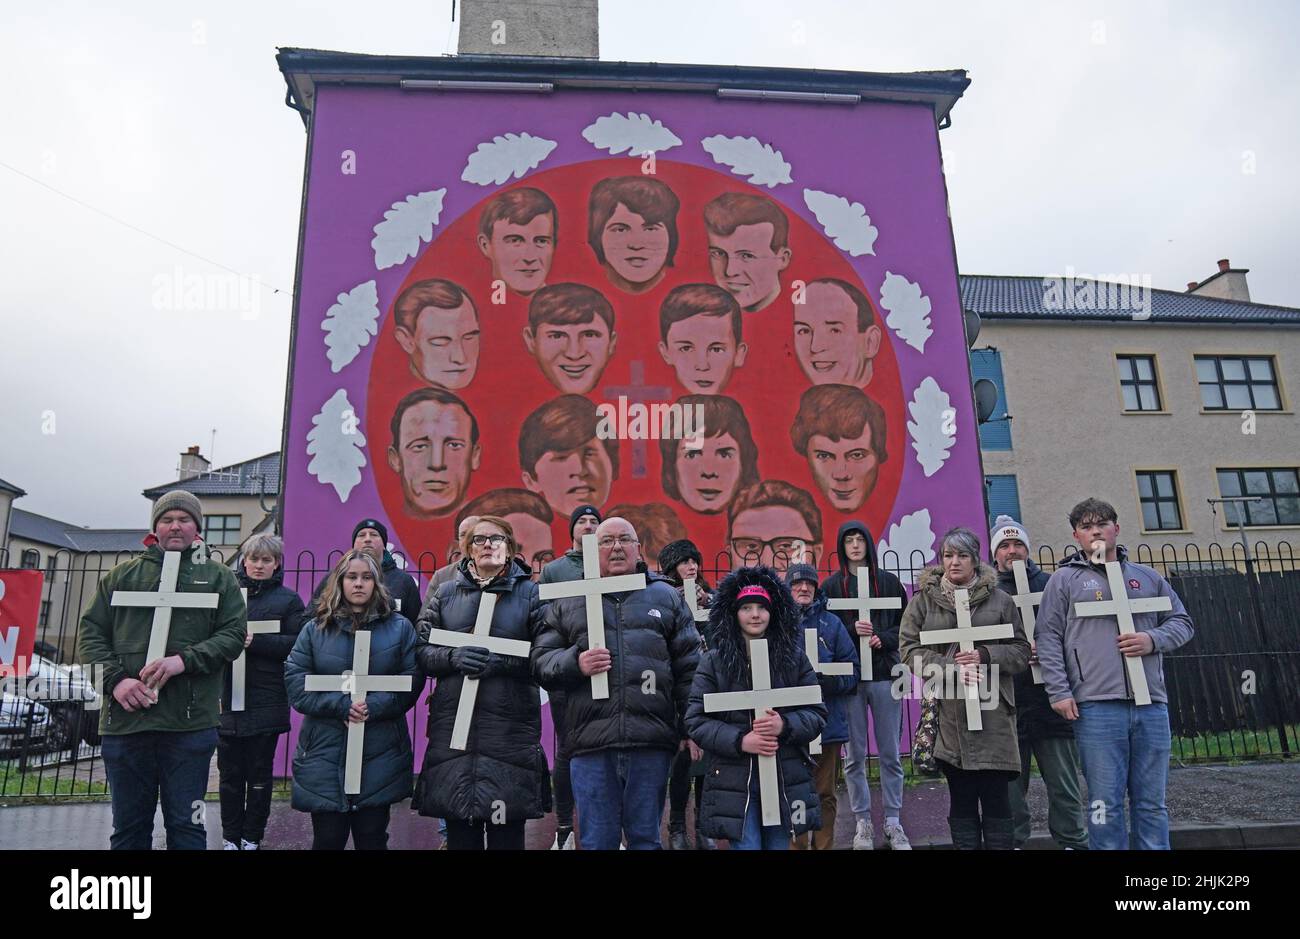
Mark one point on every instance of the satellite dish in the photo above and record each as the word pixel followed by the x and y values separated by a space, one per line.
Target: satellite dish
pixel 986 399
pixel 971 321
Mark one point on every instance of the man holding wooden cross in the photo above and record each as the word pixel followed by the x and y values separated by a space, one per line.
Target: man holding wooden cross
pixel 163 627
pixel 1101 629
pixel 623 647
pixel 872 618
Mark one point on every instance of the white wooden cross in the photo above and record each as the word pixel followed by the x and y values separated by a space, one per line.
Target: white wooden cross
pixel 864 603
pixel 357 681
pixel 593 587
pixel 238 668
pixel 1028 603
pixel 479 637
pixel 1123 611
pixel 763 696
pixel 164 600
pixel 821 668
pixel 689 590
pixel 966 635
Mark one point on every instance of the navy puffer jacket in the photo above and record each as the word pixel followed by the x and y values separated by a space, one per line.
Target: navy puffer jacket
pixel 503 763
pixel 266 703
pixel 725 668
pixel 833 645
pixel 388 763
pixel 654 649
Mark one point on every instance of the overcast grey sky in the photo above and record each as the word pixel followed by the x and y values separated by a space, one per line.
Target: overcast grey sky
pixel 1106 137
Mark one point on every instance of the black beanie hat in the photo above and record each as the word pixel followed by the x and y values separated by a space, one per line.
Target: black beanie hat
pixel 579 512
pixel 675 552
pixel 374 523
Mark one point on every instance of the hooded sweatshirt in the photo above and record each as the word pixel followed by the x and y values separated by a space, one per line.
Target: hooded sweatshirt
pixel 844 583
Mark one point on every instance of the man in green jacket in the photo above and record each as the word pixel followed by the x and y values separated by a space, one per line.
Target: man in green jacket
pixel 159 720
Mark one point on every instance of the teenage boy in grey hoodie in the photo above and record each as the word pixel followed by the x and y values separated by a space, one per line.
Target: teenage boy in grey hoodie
pixel 1124 746
pixel 855 548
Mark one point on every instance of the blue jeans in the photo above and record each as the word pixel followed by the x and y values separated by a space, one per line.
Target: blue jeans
pixel 141 765
pixel 1125 750
pixel 755 836
pixel 620 791
pixel 888 714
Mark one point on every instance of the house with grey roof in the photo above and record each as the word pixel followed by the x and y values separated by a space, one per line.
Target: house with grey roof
pixel 238 500
pixel 1157 401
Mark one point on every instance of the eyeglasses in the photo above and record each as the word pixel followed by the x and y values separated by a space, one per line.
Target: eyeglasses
pixel 495 541
pixel 609 541
pixel 789 546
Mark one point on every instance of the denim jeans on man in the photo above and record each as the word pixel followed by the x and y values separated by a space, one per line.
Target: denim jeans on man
pixel 1124 748
pixel 141 765
pixel 887 712
pixel 756 836
pixel 620 791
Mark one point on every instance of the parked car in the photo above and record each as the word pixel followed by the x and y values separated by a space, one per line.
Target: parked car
pixel 69 696
pixel 22 722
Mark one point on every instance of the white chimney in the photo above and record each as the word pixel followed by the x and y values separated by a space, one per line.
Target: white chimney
pixel 565 28
pixel 1228 283
pixel 193 463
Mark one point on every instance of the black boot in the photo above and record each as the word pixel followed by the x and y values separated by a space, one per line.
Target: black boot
pixel 677 833
pixel 702 841
pixel 999 834
pixel 965 833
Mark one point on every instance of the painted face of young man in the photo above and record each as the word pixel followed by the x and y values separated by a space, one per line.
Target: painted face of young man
pixel 827 343
pixel 567 479
pixel 434 457
pixel 176 530
pixel 1010 551
pixel 1092 533
pixel 534 539
pixel 744 264
pixel 776 535
pixel 708 472
pixel 572 356
pixel 521 255
pixel 753 619
pixel 635 250
pixel 368 540
pixel 845 470
pixel 702 349
pixel 444 346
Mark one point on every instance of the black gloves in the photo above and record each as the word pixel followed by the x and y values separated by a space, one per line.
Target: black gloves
pixel 470 661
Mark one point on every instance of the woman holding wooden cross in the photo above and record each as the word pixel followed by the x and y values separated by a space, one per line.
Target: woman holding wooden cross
pixel 975 748
pixel 484 770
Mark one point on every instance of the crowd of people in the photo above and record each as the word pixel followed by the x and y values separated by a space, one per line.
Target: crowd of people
pixel 634 719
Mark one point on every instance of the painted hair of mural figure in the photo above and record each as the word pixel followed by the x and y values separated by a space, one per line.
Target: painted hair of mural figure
pixel 748 247
pixel 632 227
pixel 517 233
pixel 774 523
pixel 437 327
pixel 570 332
pixel 561 457
pixel 435 450
pixel 656 525
pixel 707 472
pixel 700 336
pixel 836 336
pixel 527 513
pixel 841 433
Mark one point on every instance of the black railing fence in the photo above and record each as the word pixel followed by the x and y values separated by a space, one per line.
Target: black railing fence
pixel 1234 689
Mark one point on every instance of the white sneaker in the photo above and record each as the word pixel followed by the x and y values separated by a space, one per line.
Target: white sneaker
pixel 229 846
pixel 567 845
pixel 570 843
pixel 862 837
pixel 896 838
pixel 246 845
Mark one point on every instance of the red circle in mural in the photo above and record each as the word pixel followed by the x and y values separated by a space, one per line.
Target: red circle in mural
pixel 802 374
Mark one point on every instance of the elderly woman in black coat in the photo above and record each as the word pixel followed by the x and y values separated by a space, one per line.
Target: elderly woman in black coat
pixel 753 603
pixel 488 790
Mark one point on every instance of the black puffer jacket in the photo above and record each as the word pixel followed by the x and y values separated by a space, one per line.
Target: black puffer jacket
pixel 266 703
pixel 1035 718
pixel 651 637
pixel 725 667
pixel 884 584
pixel 503 763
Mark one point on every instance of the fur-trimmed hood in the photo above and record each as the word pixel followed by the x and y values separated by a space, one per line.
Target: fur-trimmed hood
pixel 784 640
pixel 986 580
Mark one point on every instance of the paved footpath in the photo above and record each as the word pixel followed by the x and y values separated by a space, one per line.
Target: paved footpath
pixel 1252 805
